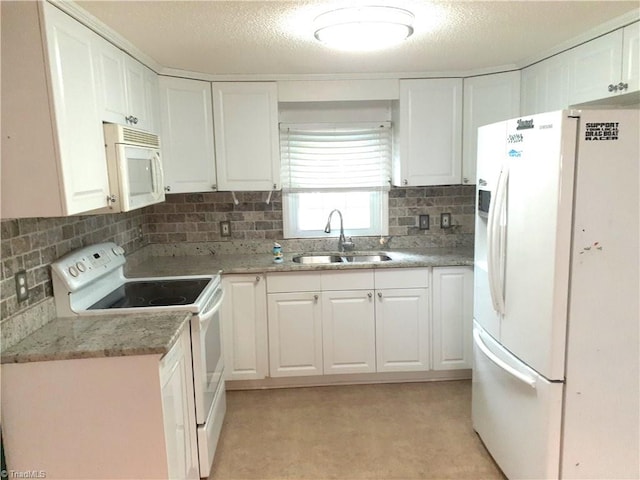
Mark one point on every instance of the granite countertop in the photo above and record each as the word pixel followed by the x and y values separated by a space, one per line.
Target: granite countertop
pixel 95 336
pixel 263 263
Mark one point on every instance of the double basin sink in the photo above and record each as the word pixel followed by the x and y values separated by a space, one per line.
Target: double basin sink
pixel 316 259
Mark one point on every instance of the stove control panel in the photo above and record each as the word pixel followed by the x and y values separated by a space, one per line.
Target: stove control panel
pixel 81 267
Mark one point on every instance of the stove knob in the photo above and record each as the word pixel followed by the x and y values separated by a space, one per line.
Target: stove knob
pixel 81 267
pixel 73 271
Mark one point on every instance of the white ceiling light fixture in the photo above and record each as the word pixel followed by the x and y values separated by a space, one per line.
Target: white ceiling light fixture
pixel 363 28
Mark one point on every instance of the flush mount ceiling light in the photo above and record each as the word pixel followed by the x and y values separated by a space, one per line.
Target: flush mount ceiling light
pixel 363 28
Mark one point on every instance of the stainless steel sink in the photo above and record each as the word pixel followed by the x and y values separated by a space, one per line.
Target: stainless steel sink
pixel 317 259
pixel 310 258
pixel 367 258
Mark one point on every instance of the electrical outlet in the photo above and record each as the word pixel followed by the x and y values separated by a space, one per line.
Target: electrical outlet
pixel 225 228
pixel 445 220
pixel 424 222
pixel 22 289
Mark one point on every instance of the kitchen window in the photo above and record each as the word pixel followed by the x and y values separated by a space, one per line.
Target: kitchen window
pixel 335 166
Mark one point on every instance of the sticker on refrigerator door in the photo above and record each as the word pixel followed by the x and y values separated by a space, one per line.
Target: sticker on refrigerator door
pixel 601 131
pixel 515 138
pixel 515 153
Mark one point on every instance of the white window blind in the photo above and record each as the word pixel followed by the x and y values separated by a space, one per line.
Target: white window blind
pixel 318 157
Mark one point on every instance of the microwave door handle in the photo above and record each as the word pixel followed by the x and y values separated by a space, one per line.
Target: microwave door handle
pixel 159 176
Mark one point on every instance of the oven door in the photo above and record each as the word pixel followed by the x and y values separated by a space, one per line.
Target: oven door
pixel 207 355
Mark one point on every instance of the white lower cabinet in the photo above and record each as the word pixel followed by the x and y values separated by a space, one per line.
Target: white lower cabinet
pixel 402 330
pixel 356 321
pixel 178 409
pixel 295 334
pixel 402 319
pixel 348 331
pixel 104 417
pixel 243 318
pixel 452 317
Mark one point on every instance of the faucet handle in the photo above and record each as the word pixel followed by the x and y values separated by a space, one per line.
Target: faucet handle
pixel 348 245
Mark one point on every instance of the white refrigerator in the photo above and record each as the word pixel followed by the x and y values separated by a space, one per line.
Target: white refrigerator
pixel 556 377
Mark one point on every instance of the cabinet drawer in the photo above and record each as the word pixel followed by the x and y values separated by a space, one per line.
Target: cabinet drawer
pixel 293 282
pixel 402 278
pixel 347 280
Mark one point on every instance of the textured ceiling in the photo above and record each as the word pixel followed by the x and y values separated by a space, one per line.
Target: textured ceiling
pixel 275 37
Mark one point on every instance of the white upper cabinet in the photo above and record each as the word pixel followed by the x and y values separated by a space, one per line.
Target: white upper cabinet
pixel 428 133
pixel 246 132
pixel 126 88
pixel 53 158
pixel 631 57
pixel 487 99
pixel 596 67
pixel 187 135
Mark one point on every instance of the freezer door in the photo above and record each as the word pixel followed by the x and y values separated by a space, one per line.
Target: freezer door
pixel 491 156
pixel 516 412
pixel 538 240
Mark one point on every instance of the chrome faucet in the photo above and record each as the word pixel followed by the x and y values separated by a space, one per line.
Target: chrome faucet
pixel 343 243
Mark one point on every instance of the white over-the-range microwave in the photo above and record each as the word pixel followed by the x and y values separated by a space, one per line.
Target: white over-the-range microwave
pixel 135 168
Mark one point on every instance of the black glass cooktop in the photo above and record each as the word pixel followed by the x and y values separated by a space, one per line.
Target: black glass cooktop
pixel 160 293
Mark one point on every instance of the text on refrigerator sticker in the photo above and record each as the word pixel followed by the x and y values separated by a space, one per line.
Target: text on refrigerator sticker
pixel 601 131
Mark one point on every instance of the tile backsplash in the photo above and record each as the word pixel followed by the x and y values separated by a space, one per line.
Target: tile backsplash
pixel 196 217
pixel 31 244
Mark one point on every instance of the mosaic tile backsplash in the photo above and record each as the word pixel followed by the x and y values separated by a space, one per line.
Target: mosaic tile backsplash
pixel 188 222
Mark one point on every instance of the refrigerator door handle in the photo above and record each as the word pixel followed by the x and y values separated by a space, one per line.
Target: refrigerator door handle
pixel 495 243
pixel 501 364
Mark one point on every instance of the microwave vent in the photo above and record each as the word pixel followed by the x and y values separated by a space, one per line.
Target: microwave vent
pixel 130 135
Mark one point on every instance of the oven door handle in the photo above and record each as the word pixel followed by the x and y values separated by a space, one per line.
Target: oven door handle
pixel 215 303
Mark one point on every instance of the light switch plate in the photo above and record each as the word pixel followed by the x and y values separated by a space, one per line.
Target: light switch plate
pixel 424 222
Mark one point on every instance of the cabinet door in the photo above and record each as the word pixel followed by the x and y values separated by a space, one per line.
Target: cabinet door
pixel 631 57
pixel 244 327
pixel 452 317
pixel 187 135
pixel 348 331
pixel 531 84
pixel 136 97
pixel 295 334
pixel 246 132
pixel 80 137
pixel 430 132
pixel 152 99
pixel 487 99
pixel 594 67
pixel 109 62
pixel 402 330
pixel 179 411
pixel 545 85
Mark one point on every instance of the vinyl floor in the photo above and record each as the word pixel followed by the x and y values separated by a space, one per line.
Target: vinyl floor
pixel 410 431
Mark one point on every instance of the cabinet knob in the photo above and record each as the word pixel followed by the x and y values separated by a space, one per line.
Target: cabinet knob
pixel 167 188
pixel 405 182
pixel 111 198
pixel 257 278
pixel 379 294
pixel 275 186
pixel 214 187
pixel 315 298
pixel 613 88
pixel 623 86
pixel 369 294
